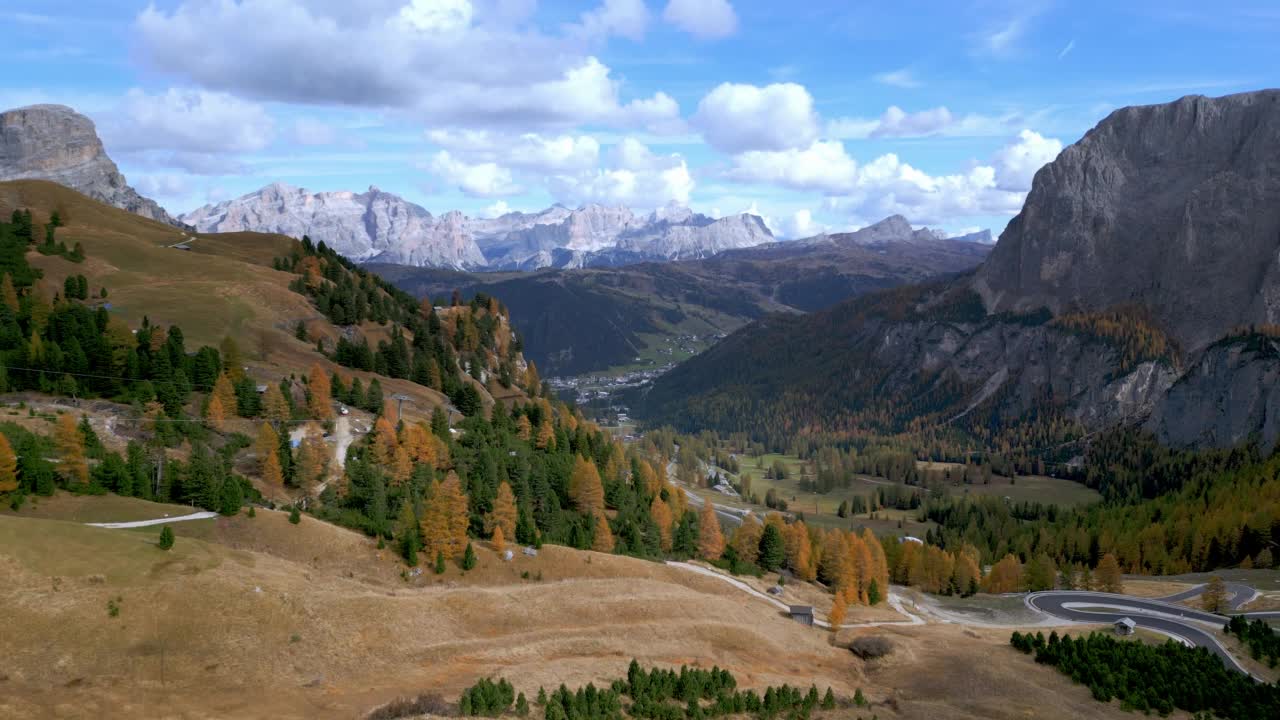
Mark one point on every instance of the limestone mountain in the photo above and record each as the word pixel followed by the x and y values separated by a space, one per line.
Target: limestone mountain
pixel 376 226
pixel 56 143
pixel 1139 286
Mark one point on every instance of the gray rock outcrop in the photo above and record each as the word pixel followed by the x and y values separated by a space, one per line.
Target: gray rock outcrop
pixel 1173 207
pixel 56 143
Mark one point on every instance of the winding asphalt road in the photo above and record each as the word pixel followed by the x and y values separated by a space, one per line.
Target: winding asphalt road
pixel 1163 615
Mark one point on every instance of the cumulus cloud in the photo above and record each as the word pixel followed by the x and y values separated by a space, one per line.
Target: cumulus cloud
pixel 737 118
pixel 484 179
pixel 190 121
pixel 626 18
pixel 896 122
pixel 799 224
pixel 1016 164
pixel 888 185
pixel 634 175
pixel 310 131
pixel 435 58
pixel 528 151
pixel 703 18
pixel 498 209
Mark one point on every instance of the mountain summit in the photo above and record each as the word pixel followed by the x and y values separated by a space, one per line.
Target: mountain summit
pixel 56 143
pixel 381 227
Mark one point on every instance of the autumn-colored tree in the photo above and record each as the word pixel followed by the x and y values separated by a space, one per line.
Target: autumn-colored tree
pixel 967 574
pixel 839 605
pixel 274 406
pixel 225 392
pixel 833 560
pixel 799 550
pixel 663 519
pixel 584 486
pixel 215 413
pixel 710 538
pixel 313 458
pixel 384 442
pixel 524 430
pixel 70 444
pixel 648 480
pixel 401 467
pixel 504 513
pixel 271 472
pixel 319 402
pixel 746 540
pixel 499 540
pixel 8 295
pixel 879 567
pixel 1005 576
pixel 1107 575
pixel 532 383
pixel 8 464
pixel 445 519
pixel 546 435
pixel 416 439
pixel 1214 598
pixel 266 443
pixel 602 538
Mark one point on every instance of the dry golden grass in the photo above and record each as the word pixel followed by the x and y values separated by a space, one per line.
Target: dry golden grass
pixel 1154 588
pixel 255 617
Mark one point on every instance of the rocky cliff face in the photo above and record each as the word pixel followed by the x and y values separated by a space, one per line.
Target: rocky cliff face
pixel 368 226
pixel 1174 207
pixel 55 143
pixel 381 227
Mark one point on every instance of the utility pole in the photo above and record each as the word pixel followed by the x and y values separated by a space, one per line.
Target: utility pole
pixel 400 398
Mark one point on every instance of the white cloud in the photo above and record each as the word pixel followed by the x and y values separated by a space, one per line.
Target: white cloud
pixel 703 18
pixel 498 209
pixel 897 123
pixel 1017 164
pixel 799 224
pixel 528 151
pixel 902 78
pixel 888 185
pixel 823 165
pixel 484 179
pixel 736 118
pixel 636 176
pixel 162 184
pixel 437 59
pixel 626 18
pixel 191 121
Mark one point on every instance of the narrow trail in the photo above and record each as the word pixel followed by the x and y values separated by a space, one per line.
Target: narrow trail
pixel 202 515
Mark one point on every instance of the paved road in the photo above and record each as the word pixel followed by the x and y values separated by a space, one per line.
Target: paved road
pixel 1186 624
pixel 203 515
pixel 1238 594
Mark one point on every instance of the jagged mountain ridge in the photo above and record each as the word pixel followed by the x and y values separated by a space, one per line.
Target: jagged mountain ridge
pixel 376 226
pixel 1137 287
pixel 56 143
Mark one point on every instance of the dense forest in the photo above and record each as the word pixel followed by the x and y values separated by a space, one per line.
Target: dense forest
pixel 1157 678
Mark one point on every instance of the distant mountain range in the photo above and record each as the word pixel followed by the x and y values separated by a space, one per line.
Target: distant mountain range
pixel 377 226
pixel 584 320
pixel 1139 286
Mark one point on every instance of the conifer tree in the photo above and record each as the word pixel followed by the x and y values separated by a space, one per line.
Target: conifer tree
pixel 469 558
pixel 8 465
pixel 772 548
pixel 445 518
pixel 271 472
pixel 384 442
pixel 1214 599
pixel 746 541
pixel 265 444
pixel 215 413
pixel 225 391
pixel 232 361
pixel 546 436
pixel 710 538
pixel 8 295
pixel 602 536
pixel 1107 575
pixel 839 606
pixel 70 444
pixel 319 401
pixel 524 430
pixel 504 514
pixel 439 564
pixel 166 538
pixel 274 406
pixel 295 516
pixel 499 540
pixel 585 487
pixel 662 517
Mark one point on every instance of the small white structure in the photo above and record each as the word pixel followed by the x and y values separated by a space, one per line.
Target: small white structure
pixel 909 538
pixel 1125 626
pixel 507 555
pixel 531 552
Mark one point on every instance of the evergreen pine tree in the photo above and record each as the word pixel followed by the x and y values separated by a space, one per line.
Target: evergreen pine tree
pixel 772 548
pixel 166 538
pixel 295 516
pixel 439 568
pixel 469 558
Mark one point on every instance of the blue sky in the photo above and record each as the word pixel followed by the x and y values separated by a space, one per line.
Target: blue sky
pixel 816 115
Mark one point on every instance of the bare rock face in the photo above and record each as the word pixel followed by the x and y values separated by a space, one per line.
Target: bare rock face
pixel 55 143
pixel 368 226
pixel 1174 207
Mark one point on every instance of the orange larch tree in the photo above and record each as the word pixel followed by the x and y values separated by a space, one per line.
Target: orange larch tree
pixel 662 518
pixel 498 540
pixel 274 405
pixel 8 463
pixel 444 519
pixel 225 392
pixel 70 444
pixel 215 413
pixel 710 538
pixel 839 605
pixel 504 514
pixel 585 487
pixel 319 402
pixel 602 539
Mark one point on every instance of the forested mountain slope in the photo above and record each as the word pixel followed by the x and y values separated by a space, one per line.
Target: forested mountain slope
pixel 577 321
pixel 1031 338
